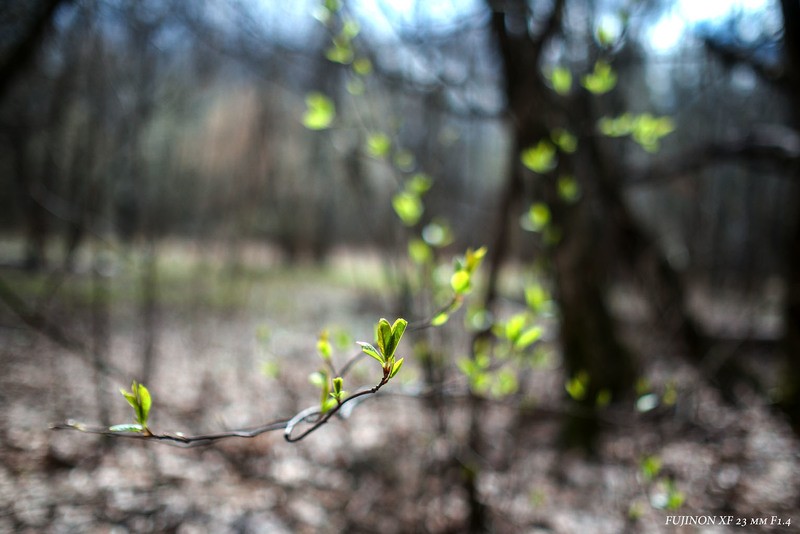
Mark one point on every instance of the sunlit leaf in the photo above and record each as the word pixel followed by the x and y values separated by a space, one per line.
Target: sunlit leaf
pixel 408 207
pixel 396 367
pixel 324 346
pixel 398 329
pixel 372 351
pixel 473 258
pixel 675 497
pixel 537 218
pixel 539 158
pixel 440 319
pixel 505 383
pixel 340 52
pixel 601 80
pixel 514 327
pixel 419 251
pixel 338 386
pixel 145 402
pixel 577 386
pixel 384 336
pixel 362 66
pixel 561 80
pixel 568 189
pixel 378 145
pixel 648 130
pixel 419 183
pixel 536 297
pixel 564 140
pixel 460 281
pixel 328 404
pixel 650 467
pixel 528 337
pixel 320 112
pixel 350 28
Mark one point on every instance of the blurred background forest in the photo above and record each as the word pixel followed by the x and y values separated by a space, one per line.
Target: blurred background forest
pixel 196 195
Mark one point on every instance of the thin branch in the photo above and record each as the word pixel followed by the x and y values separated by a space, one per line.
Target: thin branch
pixel 309 415
pixel 730 55
pixel 773 144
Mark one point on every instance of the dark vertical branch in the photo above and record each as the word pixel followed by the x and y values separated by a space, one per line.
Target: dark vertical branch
pixel 791 340
pixel 21 54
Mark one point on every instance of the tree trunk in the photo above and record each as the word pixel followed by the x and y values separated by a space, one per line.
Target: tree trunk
pixel 590 344
pixel 791 341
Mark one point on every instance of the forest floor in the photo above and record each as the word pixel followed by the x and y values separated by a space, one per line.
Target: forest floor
pixel 233 347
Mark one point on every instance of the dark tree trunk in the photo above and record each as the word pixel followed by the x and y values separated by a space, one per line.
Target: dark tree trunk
pixel 791 340
pixel 589 341
pixel 22 52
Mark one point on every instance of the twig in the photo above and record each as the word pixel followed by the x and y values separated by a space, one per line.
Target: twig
pixel 309 415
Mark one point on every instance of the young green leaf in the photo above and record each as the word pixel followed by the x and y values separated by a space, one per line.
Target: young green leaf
pixel 440 318
pixel 505 383
pixel 396 367
pixel 350 28
pixel 528 337
pixel 675 497
pixel 539 158
pixel 473 258
pixel 338 389
pixel 372 351
pixel 322 380
pixel 577 386
pixel 537 218
pixel 419 251
pixel 568 189
pixel 564 140
pixel 419 183
pixel 362 66
pixel 408 207
pixel 384 336
pixel 394 336
pixel 320 112
pixel 139 398
pixel 398 329
pixel 145 402
pixel 514 327
pixel 324 346
pixel 601 80
pixel 460 281
pixel 327 404
pixel 561 80
pixel 378 145
pixel 340 52
pixel 536 297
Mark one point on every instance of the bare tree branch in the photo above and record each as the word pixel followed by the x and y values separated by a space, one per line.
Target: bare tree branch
pixel 772 144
